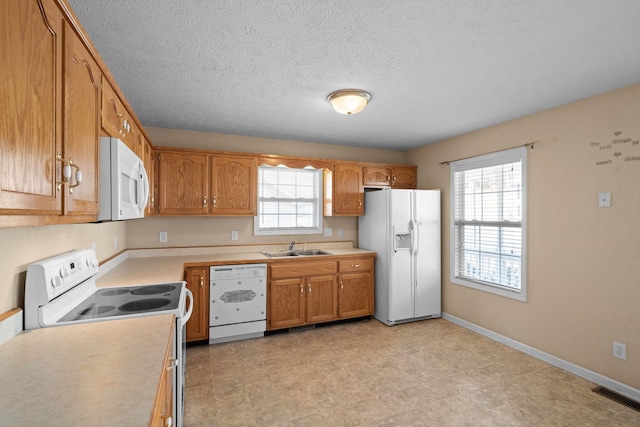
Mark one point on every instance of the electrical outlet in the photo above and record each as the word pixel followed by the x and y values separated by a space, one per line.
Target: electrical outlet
pixel 340 232
pixel 619 350
pixel 604 200
pixel 162 237
pixel 234 234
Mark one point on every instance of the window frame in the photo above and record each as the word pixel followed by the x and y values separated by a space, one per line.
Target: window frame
pixel 479 162
pixel 284 231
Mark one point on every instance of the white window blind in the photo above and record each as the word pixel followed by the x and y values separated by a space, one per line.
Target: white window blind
pixel 488 221
pixel 289 201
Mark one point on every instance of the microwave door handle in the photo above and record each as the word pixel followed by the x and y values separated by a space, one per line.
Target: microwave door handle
pixel 187 315
pixel 145 187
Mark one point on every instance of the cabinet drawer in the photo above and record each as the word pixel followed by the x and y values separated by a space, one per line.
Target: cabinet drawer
pixel 358 264
pixel 299 269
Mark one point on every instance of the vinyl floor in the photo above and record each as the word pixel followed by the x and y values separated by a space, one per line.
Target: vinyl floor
pixel 364 373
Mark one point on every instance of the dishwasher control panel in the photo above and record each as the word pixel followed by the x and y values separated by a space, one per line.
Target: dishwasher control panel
pixel 241 271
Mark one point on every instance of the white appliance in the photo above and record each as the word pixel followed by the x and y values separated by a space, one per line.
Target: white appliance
pixel 238 302
pixel 124 184
pixel 403 228
pixel 62 291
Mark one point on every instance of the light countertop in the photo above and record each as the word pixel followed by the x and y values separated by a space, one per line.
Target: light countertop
pixel 91 374
pixel 158 267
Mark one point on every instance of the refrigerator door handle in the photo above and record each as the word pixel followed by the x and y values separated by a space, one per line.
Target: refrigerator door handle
pixel 415 237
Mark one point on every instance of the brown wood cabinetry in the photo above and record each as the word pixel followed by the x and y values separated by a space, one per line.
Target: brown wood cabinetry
pixel 233 185
pixel 197 279
pixel 31 99
pixel 196 183
pixel 390 176
pixel 183 183
pixel 50 86
pixel 81 123
pixel 356 287
pixel 404 177
pixel 149 160
pixel 161 416
pixel 115 120
pixel 302 292
pixel 344 192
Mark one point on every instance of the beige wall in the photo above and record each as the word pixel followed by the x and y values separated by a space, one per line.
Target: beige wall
pixel 584 287
pixel 20 247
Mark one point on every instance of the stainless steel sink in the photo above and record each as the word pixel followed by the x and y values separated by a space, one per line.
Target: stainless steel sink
pixel 279 254
pixel 312 252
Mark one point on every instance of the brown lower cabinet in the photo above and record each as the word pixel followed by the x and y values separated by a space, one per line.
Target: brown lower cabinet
pixel 162 413
pixel 197 279
pixel 315 291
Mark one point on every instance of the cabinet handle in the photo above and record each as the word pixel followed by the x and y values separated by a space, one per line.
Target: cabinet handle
pixel 204 200
pixel 172 364
pixel 309 288
pixel 78 175
pixel 215 202
pixel 360 203
pixel 301 289
pixel 394 178
pixel 356 265
pixel 66 172
pixel 201 281
pixel 388 178
pixel 341 285
pixel 168 421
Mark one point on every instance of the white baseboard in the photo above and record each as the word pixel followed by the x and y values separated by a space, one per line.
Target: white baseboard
pixel 628 391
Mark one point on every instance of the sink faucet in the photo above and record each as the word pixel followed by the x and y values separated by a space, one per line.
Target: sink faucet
pixel 293 242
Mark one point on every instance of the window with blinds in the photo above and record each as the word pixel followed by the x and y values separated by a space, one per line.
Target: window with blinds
pixel 289 201
pixel 488 222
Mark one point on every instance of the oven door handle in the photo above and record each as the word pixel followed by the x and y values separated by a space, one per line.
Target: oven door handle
pixel 187 315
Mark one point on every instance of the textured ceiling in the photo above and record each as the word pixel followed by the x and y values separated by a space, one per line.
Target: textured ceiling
pixel 435 69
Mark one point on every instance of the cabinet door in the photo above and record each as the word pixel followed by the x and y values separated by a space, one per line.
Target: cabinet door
pixel 182 183
pixel 198 283
pixel 376 176
pixel 30 99
pixel 81 88
pixel 233 185
pixel 286 303
pixel 355 295
pixel 322 299
pixel 404 177
pixel 348 192
pixel 149 165
pixel 114 118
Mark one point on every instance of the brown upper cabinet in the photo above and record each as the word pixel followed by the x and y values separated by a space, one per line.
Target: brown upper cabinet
pixel 195 183
pixel 116 120
pixel 51 83
pixel 234 184
pixel 344 192
pixel 390 176
pixel 183 183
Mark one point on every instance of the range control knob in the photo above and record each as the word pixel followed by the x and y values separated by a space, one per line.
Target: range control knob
pixel 65 272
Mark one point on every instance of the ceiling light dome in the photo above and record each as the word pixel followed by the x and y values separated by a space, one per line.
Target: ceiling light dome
pixel 349 101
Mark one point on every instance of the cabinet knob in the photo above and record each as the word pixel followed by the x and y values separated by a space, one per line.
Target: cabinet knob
pixel 215 202
pixel 301 289
pixel 201 281
pixel 341 285
pixel 204 201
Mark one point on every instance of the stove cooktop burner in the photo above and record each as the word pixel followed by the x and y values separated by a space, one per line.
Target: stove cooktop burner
pixel 113 292
pixel 96 309
pixel 144 305
pixel 153 289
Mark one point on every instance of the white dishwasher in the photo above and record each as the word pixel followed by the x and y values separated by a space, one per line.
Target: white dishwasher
pixel 238 302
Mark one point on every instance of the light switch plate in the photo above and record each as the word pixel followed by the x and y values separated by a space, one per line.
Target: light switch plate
pixel 328 232
pixel 234 234
pixel 162 237
pixel 604 200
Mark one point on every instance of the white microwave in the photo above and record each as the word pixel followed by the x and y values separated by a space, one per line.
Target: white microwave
pixel 124 184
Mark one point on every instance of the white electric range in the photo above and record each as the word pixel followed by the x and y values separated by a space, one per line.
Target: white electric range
pixel 62 291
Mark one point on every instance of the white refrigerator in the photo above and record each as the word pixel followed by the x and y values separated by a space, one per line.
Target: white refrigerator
pixel 403 228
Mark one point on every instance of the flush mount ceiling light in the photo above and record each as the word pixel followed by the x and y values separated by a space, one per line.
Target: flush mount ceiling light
pixel 349 101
